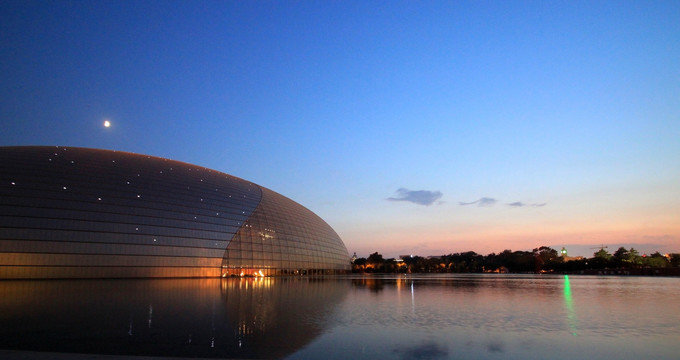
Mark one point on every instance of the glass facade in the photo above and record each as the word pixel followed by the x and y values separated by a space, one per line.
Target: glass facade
pixel 83 213
pixel 282 237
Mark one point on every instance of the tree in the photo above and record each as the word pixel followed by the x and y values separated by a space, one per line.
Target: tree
pixel 627 258
pixel 414 264
pixel 656 260
pixel 622 256
pixel 634 257
pixel 545 258
pixel 602 254
pixel 601 259
pixel 359 265
pixel 375 258
pixel 375 261
pixel 467 262
pixel 390 265
pixel 675 260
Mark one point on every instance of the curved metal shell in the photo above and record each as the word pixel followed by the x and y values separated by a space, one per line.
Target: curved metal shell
pixel 88 213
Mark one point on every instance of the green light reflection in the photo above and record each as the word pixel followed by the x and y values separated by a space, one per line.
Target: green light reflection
pixel 569 304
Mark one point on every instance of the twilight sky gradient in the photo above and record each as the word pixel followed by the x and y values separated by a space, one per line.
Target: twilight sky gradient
pixel 420 127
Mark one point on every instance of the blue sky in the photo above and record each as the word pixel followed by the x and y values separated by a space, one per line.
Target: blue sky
pixel 521 123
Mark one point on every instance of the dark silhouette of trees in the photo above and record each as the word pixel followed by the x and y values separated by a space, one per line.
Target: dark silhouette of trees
pixel 540 260
pixel 675 260
pixel 375 258
pixel 634 257
pixel 467 262
pixel 626 258
pixel 513 261
pixel 360 263
pixel 546 258
pixel 416 264
pixel 656 260
pixel 375 263
pixel 600 260
pixel 622 256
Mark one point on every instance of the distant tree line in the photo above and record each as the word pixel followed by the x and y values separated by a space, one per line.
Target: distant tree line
pixel 540 260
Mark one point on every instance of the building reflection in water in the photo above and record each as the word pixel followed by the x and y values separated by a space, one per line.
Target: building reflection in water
pixel 229 318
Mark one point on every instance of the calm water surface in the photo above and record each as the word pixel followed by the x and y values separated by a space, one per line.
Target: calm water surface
pixel 403 317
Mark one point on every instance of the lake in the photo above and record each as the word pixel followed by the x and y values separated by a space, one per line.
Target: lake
pixel 362 317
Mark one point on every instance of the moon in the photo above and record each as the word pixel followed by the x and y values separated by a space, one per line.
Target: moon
pixel 107 123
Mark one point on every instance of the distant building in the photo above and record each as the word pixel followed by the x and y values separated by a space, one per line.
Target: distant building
pixel 87 213
pixel 566 258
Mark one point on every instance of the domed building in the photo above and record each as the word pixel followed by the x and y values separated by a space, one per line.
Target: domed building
pixel 87 213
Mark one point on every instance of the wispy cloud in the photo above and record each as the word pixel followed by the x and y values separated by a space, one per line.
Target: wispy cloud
pixel 521 204
pixel 485 201
pixel 420 197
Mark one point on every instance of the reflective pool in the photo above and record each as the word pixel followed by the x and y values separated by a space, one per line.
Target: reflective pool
pixel 361 317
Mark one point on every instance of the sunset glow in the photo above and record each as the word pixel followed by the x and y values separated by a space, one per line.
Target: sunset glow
pixel 410 128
